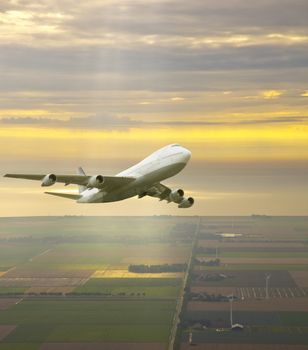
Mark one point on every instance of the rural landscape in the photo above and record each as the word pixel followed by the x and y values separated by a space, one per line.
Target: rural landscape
pixel 158 282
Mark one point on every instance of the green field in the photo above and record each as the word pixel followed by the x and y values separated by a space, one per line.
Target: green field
pixel 252 318
pixel 13 290
pixel 77 228
pixel 89 333
pixel 14 253
pixel 19 346
pixel 155 288
pixel 251 336
pixel 102 254
pixel 68 320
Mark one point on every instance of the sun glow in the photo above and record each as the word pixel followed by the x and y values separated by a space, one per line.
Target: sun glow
pixel 258 142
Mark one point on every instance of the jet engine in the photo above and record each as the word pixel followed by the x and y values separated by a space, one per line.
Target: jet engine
pixel 95 181
pixel 49 180
pixel 186 202
pixel 176 196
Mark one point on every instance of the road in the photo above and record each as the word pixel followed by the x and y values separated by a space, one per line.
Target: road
pixel 176 319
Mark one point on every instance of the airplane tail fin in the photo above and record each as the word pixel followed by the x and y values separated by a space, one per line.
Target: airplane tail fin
pixel 80 171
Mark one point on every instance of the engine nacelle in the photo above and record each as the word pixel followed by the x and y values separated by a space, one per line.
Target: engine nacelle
pixel 49 180
pixel 186 202
pixel 176 196
pixel 95 181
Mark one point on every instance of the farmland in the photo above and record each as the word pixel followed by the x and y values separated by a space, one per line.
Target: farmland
pixel 65 282
pixel 147 287
pixel 69 320
pixel 248 251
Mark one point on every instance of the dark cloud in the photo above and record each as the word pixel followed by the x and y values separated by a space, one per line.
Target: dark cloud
pixel 61 62
pixel 189 18
pixel 76 61
pixel 44 64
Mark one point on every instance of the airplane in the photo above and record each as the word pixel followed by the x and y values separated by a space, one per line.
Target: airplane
pixel 142 179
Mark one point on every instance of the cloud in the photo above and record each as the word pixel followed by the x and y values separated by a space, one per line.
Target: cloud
pixel 129 76
pixel 270 94
pixel 109 20
pixel 90 122
pixel 26 121
pixel 112 121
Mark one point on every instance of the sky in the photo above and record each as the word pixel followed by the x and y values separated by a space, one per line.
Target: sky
pixel 103 83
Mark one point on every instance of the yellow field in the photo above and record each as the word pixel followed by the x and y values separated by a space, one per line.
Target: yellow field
pixel 117 273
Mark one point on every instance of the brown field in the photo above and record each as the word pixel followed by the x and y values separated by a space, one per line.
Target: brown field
pixel 261 260
pixel 248 232
pixel 105 346
pixel 255 292
pixel 42 282
pixel 6 303
pixel 278 304
pixel 6 329
pixel 300 278
pixel 238 245
pixel 186 346
pixel 21 272
pixel 248 278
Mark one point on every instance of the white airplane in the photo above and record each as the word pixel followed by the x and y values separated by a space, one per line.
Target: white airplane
pixel 142 179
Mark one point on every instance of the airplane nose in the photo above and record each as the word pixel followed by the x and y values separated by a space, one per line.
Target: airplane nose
pixel 186 155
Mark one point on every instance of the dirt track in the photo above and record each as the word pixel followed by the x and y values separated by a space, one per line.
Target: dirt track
pixel 300 278
pixel 6 303
pixel 6 330
pixel 105 346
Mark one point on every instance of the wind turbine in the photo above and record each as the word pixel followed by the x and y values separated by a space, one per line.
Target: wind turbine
pixel 231 310
pixel 267 278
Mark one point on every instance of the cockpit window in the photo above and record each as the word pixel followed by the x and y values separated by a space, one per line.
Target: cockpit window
pixel 175 145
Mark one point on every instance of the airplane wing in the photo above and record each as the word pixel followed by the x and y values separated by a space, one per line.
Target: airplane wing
pixel 98 181
pixel 159 191
pixel 163 192
pixel 65 195
pixel 67 179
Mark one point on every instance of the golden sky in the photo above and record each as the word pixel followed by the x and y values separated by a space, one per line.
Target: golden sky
pixel 97 84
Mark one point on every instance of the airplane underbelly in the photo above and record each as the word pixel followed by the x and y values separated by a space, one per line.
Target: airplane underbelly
pixel 119 196
pixel 141 184
pixel 164 172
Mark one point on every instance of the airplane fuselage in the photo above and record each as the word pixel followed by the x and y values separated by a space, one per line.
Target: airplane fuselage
pixel 142 179
pixel 160 165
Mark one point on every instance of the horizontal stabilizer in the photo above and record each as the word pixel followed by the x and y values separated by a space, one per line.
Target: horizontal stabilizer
pixel 65 195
